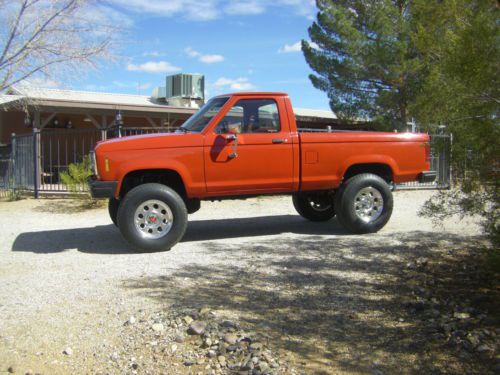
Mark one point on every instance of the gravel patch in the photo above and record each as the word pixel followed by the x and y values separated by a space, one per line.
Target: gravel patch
pixel 413 298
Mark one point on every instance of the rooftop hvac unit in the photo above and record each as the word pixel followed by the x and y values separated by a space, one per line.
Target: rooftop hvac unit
pixel 159 93
pixel 190 86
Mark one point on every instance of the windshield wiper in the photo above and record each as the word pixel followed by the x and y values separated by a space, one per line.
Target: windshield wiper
pixel 184 130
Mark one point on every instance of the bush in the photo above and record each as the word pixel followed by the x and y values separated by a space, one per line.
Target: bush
pixel 76 178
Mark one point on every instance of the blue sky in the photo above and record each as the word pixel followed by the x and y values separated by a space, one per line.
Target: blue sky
pixel 238 45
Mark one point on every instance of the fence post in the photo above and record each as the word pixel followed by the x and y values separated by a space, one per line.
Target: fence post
pixel 450 164
pixel 36 166
pixel 13 153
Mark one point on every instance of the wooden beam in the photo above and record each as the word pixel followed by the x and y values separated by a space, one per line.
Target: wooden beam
pixel 94 121
pixel 36 120
pixel 152 122
pixel 47 120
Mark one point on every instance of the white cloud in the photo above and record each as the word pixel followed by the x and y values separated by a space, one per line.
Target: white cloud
pixel 245 7
pixel 154 67
pixel 238 84
pixel 206 10
pixel 43 82
pixel 210 59
pixel 295 47
pixel 290 48
pixel 199 10
pixel 153 54
pixel 207 59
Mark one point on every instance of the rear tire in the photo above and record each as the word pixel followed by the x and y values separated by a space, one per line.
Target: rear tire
pixel 113 205
pixel 364 203
pixel 314 206
pixel 152 217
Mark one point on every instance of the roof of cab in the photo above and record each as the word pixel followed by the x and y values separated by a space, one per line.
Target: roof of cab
pixel 262 93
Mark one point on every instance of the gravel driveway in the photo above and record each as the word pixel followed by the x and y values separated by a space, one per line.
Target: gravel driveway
pixel 328 302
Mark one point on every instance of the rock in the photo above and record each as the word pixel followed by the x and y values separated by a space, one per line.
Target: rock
pixel 11 370
pixel 229 324
pixel 263 366
pixel 131 320
pixel 205 310
pixel 211 353
pixel 207 343
pixel 187 319
pixel 459 315
pixel 197 327
pixel 256 346
pixel 483 349
pixel 68 351
pixel 222 360
pixel 231 338
pixel 157 327
pixel 173 348
pixel 179 338
pixel 189 363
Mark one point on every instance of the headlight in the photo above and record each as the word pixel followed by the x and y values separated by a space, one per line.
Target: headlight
pixel 93 163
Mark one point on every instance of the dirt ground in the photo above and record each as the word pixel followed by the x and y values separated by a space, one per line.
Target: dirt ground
pixel 411 299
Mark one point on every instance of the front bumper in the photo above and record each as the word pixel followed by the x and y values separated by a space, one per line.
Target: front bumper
pixel 427 177
pixel 102 189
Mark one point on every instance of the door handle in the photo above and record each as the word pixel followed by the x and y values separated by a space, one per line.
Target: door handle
pixel 279 140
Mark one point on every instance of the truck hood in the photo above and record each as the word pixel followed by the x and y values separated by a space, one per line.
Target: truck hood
pixel 151 141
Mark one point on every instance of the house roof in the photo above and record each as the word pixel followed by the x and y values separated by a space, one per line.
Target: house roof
pixel 88 100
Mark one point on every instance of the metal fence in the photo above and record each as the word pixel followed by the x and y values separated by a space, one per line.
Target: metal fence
pixel 17 167
pixel 440 162
pixel 34 162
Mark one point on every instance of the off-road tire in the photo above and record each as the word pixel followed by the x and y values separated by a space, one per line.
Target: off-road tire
pixel 322 211
pixel 138 199
pixel 113 205
pixel 350 209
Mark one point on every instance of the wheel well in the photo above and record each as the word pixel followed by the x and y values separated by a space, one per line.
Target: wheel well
pixel 169 178
pixel 382 170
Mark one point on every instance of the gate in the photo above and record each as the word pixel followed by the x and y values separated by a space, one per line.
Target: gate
pixel 440 163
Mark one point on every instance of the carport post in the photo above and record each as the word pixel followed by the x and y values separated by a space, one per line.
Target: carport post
pixel 36 166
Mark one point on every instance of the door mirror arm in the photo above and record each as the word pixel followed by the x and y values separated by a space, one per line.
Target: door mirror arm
pixel 233 137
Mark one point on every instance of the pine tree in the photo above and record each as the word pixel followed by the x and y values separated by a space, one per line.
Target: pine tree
pixel 364 61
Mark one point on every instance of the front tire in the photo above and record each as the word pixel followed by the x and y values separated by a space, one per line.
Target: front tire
pixel 314 206
pixel 113 205
pixel 152 217
pixel 364 203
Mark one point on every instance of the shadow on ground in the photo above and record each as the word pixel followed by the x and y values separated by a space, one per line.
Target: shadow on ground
pixel 106 239
pixel 371 304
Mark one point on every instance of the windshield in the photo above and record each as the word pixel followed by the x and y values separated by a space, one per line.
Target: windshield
pixel 198 121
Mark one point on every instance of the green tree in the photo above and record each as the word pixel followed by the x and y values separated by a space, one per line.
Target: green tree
pixel 459 48
pixel 365 60
pixel 432 60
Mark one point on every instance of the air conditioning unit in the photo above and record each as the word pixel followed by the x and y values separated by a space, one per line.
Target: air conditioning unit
pixel 188 86
pixel 159 94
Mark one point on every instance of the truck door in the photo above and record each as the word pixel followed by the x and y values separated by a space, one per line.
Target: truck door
pixel 250 150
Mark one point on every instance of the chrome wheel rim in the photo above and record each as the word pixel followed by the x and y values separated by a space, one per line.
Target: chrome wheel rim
pixel 368 204
pixel 153 219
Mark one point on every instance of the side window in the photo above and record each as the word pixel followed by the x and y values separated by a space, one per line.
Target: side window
pixel 251 116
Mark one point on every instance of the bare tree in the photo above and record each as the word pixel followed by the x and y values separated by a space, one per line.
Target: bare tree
pixel 51 38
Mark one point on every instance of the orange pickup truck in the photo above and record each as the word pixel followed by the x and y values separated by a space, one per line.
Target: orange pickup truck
pixel 247 144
